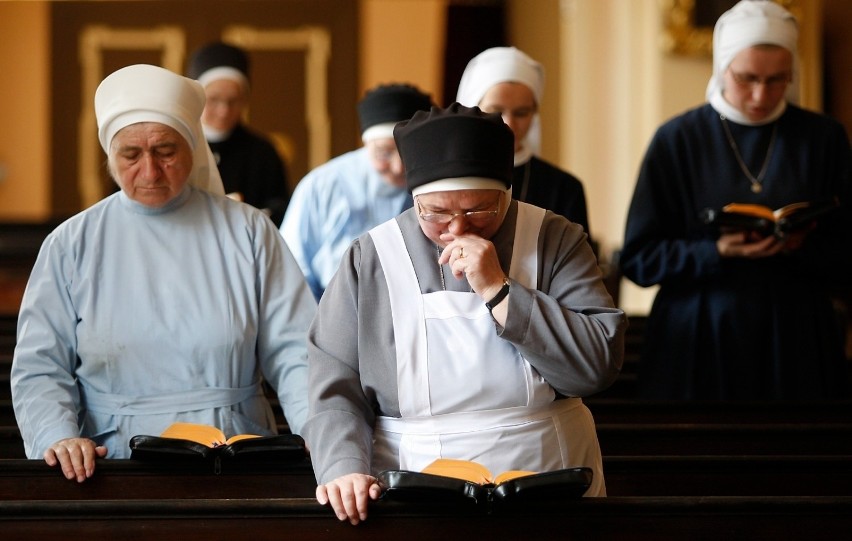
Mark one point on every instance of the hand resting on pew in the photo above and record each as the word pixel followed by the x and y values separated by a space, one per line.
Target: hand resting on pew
pixel 75 456
pixel 348 495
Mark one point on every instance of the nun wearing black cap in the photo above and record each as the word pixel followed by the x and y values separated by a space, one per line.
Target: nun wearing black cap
pixel 468 327
pixel 252 170
pixel 354 192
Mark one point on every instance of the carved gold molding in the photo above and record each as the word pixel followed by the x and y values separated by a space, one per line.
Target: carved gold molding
pixel 316 44
pixel 94 40
pixel 682 36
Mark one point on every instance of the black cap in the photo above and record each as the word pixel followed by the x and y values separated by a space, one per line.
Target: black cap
pixel 391 103
pixel 217 55
pixel 455 142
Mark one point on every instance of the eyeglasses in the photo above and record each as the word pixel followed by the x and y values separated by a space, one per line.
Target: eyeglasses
pixel 383 154
pixel 747 80
pixel 479 217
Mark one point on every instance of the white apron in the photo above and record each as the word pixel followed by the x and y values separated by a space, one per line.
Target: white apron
pixel 466 393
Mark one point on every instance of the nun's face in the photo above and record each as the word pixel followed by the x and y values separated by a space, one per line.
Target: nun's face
pixel 756 80
pixel 151 162
pixel 224 106
pixel 461 212
pixel 516 104
pixel 384 157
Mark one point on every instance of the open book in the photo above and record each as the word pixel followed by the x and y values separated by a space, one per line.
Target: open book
pixel 765 221
pixel 471 482
pixel 198 441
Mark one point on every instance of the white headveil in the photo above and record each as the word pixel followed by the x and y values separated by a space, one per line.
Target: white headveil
pixel 145 93
pixel 503 65
pixel 750 23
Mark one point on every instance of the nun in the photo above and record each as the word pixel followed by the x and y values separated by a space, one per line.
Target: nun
pixel 252 169
pixel 468 327
pixel 507 81
pixel 164 302
pixel 740 316
pixel 355 191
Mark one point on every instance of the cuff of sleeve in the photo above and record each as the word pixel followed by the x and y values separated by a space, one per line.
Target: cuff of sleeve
pixel 45 438
pixel 343 467
pixel 708 259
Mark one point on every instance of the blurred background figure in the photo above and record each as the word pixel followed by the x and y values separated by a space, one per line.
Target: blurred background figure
pixel 505 80
pixel 345 197
pixel 252 170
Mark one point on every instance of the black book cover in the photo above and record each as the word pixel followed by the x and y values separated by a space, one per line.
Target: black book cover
pixel 403 485
pixel 282 447
pixel 765 221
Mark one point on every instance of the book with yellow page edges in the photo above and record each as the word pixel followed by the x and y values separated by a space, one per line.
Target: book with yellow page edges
pixel 765 221
pixel 470 482
pixel 191 441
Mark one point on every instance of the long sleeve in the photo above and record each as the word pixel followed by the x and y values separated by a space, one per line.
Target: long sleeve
pixel 44 388
pixel 339 427
pixel 300 231
pixel 569 328
pixel 286 310
pixel 663 239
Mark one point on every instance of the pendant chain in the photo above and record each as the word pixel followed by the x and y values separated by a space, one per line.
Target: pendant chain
pixel 756 182
pixel 441 269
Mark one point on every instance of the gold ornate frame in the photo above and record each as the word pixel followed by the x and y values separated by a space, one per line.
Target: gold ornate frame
pixel 315 42
pixel 682 36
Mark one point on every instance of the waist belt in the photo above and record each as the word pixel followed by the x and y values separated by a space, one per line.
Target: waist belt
pixel 178 401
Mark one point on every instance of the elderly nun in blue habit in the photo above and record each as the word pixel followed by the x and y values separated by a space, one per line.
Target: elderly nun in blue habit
pixel 164 302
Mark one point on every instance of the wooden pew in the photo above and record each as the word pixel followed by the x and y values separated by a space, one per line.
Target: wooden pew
pixel 21 241
pixel 739 475
pixel 621 439
pixel 645 476
pixel 134 500
pixel 7 344
pixel 133 479
pixel 304 519
pixel 11 444
pixel 630 439
pixel 606 411
pixel 7 412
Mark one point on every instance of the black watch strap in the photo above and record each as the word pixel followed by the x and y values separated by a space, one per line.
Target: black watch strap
pixel 499 296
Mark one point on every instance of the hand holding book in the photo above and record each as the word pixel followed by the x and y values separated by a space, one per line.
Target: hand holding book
pixel 763 221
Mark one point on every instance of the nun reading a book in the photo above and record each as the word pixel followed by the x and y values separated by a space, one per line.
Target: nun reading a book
pixel 164 302
pixel 744 313
pixel 467 328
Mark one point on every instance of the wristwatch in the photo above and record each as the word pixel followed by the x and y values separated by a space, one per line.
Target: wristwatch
pixel 498 298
